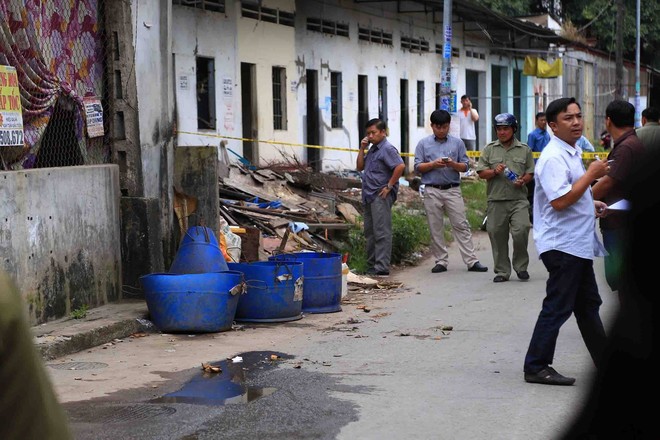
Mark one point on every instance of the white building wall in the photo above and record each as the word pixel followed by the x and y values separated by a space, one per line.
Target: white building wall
pixel 353 57
pixel 269 45
pixel 212 35
pixel 232 39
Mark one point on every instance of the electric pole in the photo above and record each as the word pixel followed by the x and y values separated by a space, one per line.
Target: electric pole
pixel 618 81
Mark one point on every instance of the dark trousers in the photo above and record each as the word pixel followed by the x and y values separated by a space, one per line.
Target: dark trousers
pixel 530 198
pixel 378 233
pixel 571 288
pixel 614 240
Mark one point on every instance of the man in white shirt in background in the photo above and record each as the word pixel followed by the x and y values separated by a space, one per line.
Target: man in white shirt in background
pixel 467 116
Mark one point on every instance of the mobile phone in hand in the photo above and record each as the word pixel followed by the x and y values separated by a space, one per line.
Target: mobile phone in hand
pixel 445 159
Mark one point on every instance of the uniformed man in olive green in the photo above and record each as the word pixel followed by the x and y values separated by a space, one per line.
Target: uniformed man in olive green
pixel 29 408
pixel 508 206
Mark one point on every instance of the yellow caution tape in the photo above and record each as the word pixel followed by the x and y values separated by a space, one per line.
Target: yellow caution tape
pixel 474 154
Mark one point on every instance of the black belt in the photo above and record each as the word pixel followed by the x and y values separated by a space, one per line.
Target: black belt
pixel 447 186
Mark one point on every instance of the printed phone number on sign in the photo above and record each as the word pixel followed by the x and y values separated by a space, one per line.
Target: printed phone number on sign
pixel 11 138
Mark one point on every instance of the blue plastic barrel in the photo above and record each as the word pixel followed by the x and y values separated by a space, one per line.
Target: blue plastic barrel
pixel 199 252
pixel 274 291
pixel 204 302
pixel 322 286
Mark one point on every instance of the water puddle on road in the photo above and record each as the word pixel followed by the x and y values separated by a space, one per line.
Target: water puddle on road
pixel 228 386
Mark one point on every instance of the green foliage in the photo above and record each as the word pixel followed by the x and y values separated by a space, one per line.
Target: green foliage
pixel 356 247
pixel 410 232
pixel 474 194
pixel 597 18
pixel 604 25
pixel 510 8
pixel 80 312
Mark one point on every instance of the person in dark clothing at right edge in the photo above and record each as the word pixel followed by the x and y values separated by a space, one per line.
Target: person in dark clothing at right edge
pixel 619 402
pixel 623 159
pixel 566 241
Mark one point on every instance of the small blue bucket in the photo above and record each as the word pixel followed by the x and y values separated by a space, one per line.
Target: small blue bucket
pixel 199 252
pixel 274 291
pixel 322 286
pixel 204 302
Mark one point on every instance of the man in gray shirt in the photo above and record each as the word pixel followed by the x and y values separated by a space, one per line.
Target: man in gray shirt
pixel 440 158
pixel 649 132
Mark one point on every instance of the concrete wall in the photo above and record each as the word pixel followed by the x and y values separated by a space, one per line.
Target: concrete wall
pixel 60 237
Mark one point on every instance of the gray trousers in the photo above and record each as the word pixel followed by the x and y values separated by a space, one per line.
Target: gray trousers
pixel 437 203
pixel 470 144
pixel 378 233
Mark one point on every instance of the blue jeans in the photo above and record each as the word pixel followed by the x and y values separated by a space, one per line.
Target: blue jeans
pixel 571 288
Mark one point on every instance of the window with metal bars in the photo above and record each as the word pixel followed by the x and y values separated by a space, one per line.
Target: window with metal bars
pixel 337 117
pixel 375 36
pixel 327 27
pixel 279 98
pixel 206 5
pixel 254 10
pixel 414 44
pixel 420 103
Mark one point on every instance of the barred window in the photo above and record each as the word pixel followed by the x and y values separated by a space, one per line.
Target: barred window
pixel 254 10
pixel 414 44
pixel 336 100
pixel 375 36
pixel 420 103
pixel 327 27
pixel 279 98
pixel 207 5
pixel 474 54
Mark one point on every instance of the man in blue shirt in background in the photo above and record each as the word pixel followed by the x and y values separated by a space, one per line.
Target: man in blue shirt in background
pixel 537 139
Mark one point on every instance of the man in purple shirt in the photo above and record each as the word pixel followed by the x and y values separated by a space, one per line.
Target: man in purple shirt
pixel 381 168
pixel 625 159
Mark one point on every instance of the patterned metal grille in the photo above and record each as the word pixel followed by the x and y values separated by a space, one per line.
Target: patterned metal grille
pixel 59 50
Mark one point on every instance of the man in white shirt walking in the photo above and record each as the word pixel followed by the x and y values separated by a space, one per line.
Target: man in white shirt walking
pixel 565 236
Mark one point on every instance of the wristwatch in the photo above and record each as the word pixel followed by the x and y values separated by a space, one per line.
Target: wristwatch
pixel 390 186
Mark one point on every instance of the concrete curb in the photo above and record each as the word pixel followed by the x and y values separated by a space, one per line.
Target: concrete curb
pixel 101 325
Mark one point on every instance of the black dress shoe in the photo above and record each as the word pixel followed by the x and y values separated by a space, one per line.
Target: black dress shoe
pixel 499 279
pixel 548 376
pixel 523 275
pixel 478 267
pixel 383 273
pixel 439 268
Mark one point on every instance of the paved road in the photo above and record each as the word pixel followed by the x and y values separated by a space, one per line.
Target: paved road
pixel 390 373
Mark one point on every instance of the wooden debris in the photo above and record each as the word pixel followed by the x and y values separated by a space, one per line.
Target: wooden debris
pixel 208 368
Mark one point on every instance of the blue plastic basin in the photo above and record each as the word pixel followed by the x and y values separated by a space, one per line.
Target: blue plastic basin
pixel 204 302
pixel 274 291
